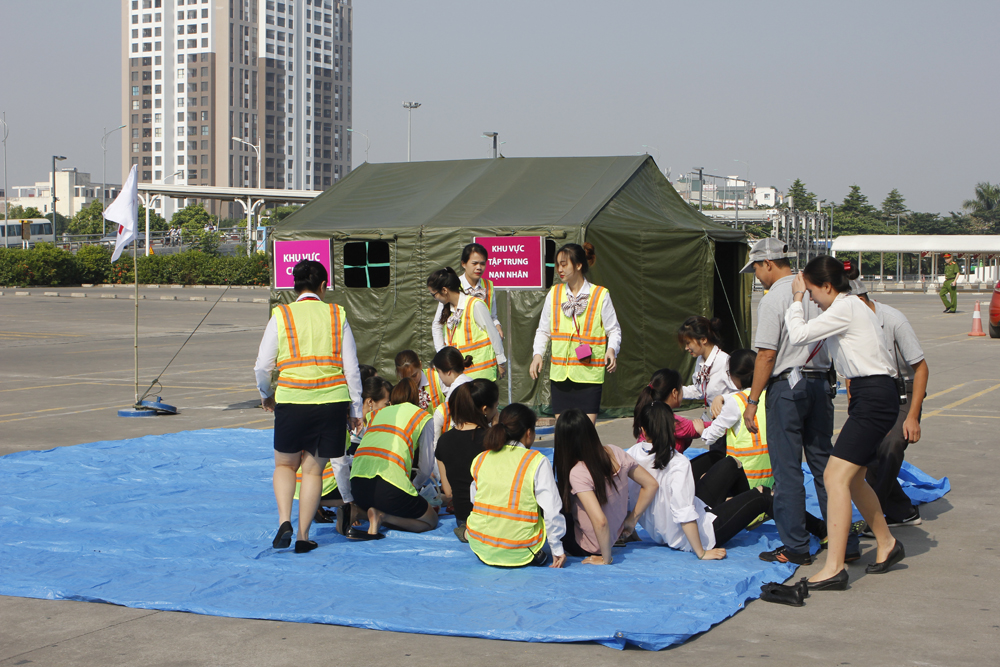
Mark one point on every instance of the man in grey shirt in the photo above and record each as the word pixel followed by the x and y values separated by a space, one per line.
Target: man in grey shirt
pixel 908 356
pixel 799 404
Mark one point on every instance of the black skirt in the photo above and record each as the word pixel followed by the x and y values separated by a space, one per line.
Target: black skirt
pixel 582 396
pixel 871 414
pixel 385 497
pixel 320 429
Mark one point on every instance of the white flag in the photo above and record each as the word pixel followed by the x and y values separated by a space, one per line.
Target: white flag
pixel 124 210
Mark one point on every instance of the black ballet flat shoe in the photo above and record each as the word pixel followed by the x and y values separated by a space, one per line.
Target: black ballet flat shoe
pixel 344 518
pixel 323 515
pixel 781 594
pixel 837 582
pixel 363 535
pixel 897 554
pixel 304 546
pixel 283 539
pixel 803 588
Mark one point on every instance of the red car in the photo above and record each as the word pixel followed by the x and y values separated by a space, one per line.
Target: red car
pixel 995 313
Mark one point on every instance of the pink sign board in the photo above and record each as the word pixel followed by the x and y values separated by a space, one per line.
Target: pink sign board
pixel 289 253
pixel 515 262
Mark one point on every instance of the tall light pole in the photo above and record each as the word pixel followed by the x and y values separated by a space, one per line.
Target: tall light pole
pixel 701 188
pixel 5 195
pixel 104 178
pixel 409 106
pixel 368 142
pixel 54 158
pixel 256 148
pixel 492 135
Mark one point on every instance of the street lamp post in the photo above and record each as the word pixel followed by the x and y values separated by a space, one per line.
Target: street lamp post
pixel 5 195
pixel 368 142
pixel 409 106
pixel 701 188
pixel 54 158
pixel 256 149
pixel 493 136
pixel 104 178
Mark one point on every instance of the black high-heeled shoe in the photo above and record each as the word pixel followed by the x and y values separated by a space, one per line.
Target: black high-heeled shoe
pixel 837 582
pixel 283 539
pixel 895 555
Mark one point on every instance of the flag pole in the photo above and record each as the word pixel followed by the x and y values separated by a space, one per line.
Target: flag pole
pixel 135 339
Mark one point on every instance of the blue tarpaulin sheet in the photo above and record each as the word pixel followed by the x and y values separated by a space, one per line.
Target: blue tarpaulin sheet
pixel 184 522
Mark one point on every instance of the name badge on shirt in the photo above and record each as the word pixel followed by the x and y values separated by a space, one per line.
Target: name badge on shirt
pixel 795 377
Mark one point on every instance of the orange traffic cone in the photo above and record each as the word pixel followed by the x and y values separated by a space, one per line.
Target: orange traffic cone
pixel 977 322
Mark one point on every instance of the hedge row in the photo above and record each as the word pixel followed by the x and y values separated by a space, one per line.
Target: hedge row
pixel 47 265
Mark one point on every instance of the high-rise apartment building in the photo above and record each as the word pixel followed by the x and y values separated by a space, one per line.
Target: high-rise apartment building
pixel 276 74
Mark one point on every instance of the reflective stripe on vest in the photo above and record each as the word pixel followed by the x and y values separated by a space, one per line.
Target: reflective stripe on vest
pixel 565 339
pixel 488 286
pixel 751 448
pixel 309 361
pixel 388 446
pixel 505 527
pixel 435 389
pixel 472 340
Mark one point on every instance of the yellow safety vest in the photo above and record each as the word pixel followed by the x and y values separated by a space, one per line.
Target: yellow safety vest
pixel 488 286
pixel 435 389
pixel 310 362
pixel 388 446
pixel 445 411
pixel 565 339
pixel 329 481
pixel 751 448
pixel 505 527
pixel 471 339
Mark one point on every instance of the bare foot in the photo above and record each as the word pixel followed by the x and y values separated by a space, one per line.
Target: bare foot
pixel 824 574
pixel 374 520
pixel 357 515
pixel 881 554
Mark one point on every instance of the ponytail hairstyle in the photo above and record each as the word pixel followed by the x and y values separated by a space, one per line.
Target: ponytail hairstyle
pixel 657 421
pixel 375 388
pixel 514 422
pixel 407 364
pixel 366 371
pixel 474 249
pixel 405 391
pixel 582 256
pixel 450 360
pixel 576 440
pixel 661 385
pixel 824 270
pixel 467 402
pixel 853 271
pixel 697 327
pixel 741 366
pixel 441 279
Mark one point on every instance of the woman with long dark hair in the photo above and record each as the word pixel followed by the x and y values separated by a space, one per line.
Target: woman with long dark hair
pixel 857 344
pixel 686 514
pixel 473 407
pixel 474 260
pixel 701 338
pixel 468 325
pixel 666 387
pixel 580 320
pixel 593 484
pixel 515 503
pixel 449 366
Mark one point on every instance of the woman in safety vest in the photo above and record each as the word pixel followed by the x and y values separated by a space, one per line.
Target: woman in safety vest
pixel 449 366
pixel 318 396
pixel 688 514
pixel 474 259
pixel 728 431
pixel 515 501
pixel 380 474
pixel 468 325
pixel 429 384
pixel 580 320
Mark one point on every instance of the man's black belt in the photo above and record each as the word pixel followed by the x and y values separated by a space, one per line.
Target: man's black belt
pixel 806 373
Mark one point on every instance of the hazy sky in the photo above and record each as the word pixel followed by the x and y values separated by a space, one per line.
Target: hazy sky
pixel 879 94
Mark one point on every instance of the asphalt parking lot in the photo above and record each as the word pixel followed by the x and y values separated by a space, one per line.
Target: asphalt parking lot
pixel 67 367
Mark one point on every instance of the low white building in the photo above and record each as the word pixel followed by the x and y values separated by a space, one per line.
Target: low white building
pixel 74 192
pixel 766 197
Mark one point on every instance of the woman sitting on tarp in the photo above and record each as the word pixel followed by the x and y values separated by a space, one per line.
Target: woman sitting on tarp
pixel 516 506
pixel 429 384
pixel 380 475
pixel 449 365
pixel 666 387
pixel 473 408
pixel 688 514
pixel 468 325
pixel 593 485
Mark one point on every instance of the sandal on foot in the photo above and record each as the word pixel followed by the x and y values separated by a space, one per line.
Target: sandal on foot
pixel 283 539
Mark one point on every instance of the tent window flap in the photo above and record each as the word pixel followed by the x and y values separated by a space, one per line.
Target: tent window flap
pixel 366 264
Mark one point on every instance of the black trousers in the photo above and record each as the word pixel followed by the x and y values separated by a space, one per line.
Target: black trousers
pixel 883 475
pixel 726 479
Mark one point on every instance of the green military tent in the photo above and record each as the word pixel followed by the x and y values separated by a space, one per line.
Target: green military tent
pixel 391 225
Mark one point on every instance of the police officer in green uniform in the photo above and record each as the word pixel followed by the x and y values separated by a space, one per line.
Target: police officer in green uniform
pixel 948 293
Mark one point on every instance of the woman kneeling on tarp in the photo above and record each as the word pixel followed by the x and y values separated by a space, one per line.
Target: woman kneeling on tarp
pixel 515 502
pixel 380 476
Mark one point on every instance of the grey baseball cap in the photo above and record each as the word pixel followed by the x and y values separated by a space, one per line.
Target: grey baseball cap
pixel 770 248
pixel 858 288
